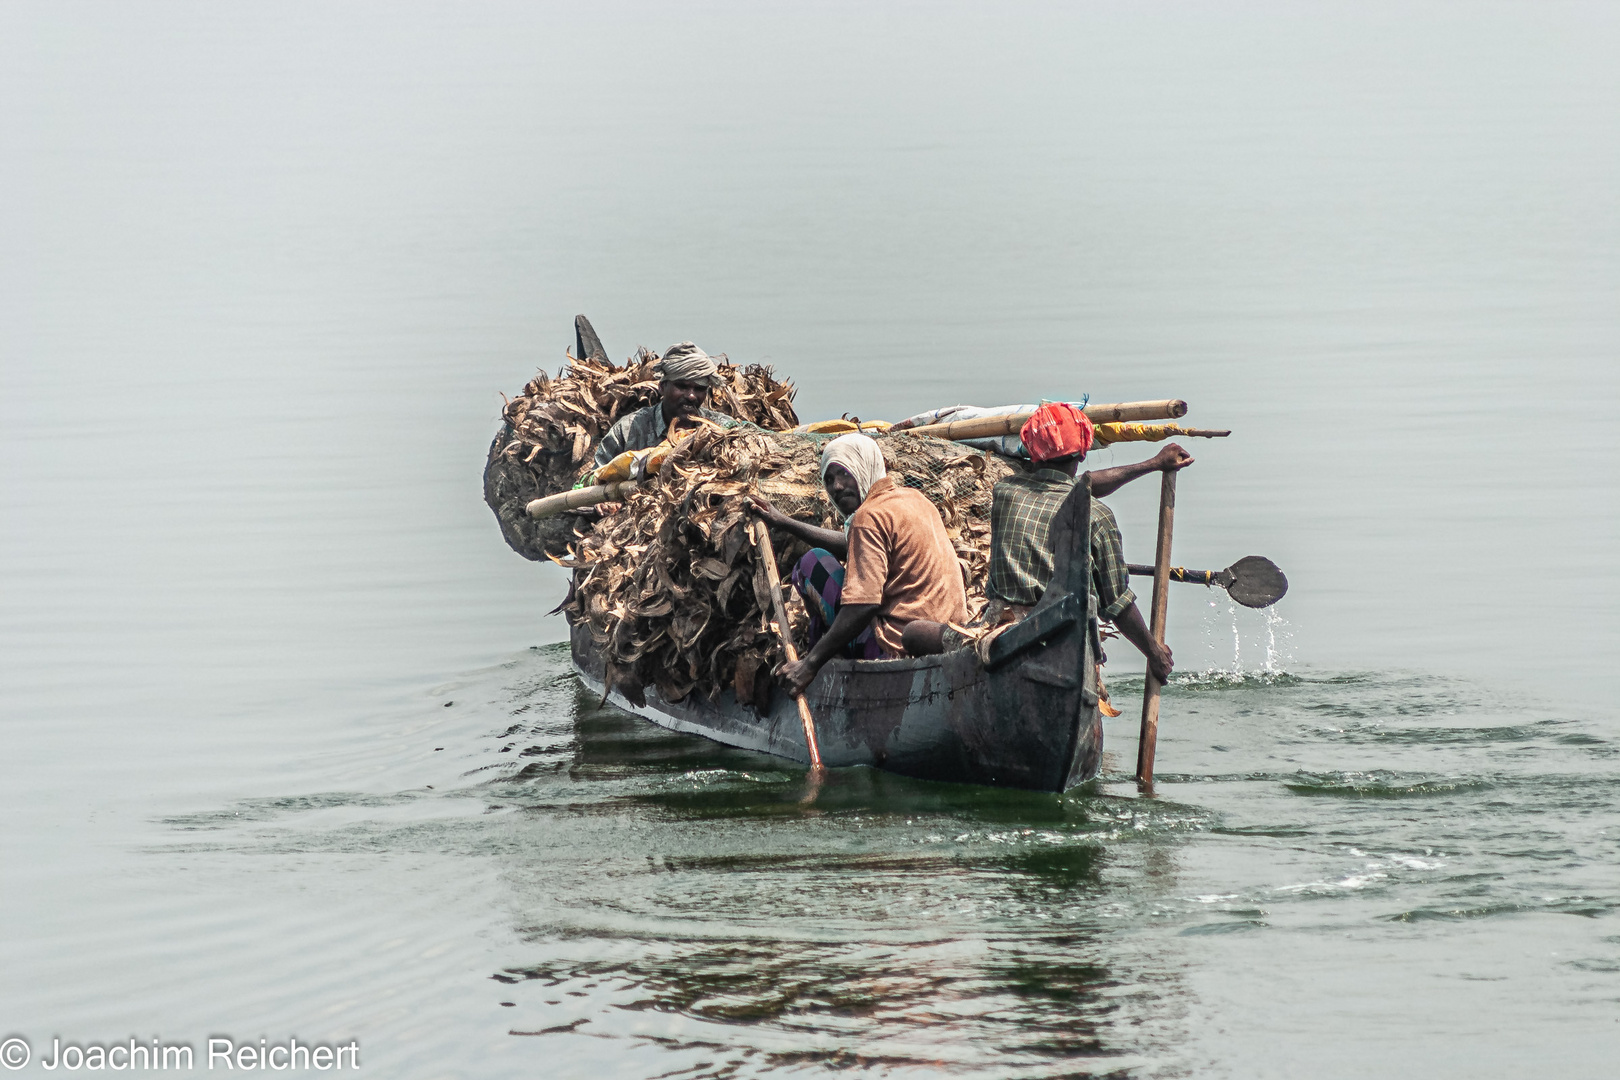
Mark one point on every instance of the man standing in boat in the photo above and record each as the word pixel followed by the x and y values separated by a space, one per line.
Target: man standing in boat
pixel 1057 437
pixel 892 565
pixel 686 374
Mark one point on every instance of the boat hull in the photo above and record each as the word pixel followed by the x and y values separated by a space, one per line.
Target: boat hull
pixel 935 718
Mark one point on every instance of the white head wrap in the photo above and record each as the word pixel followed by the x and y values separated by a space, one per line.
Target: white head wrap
pixel 860 455
pixel 686 362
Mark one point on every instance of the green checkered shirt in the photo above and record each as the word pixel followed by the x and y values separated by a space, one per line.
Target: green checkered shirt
pixel 1021 543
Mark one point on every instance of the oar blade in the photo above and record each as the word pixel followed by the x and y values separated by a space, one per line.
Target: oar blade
pixel 1257 582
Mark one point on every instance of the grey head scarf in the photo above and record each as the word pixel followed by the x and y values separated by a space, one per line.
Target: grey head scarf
pixel 686 362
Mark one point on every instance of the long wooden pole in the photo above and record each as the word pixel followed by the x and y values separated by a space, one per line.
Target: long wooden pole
pixel 1170 409
pixel 767 556
pixel 989 427
pixel 1109 434
pixel 1161 599
pixel 563 501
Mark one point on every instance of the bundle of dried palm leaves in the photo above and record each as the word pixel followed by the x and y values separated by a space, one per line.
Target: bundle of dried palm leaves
pixel 671 588
pixel 552 427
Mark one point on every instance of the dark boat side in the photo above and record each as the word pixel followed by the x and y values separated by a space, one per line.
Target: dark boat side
pixel 1025 717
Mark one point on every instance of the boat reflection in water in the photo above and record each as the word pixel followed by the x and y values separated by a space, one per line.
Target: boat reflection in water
pixel 690 900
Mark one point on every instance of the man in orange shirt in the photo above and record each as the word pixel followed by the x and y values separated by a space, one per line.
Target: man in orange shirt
pixel 892 564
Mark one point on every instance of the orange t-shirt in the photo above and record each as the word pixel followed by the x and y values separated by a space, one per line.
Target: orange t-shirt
pixel 901 559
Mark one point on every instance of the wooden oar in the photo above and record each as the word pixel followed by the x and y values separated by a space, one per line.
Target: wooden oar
pixel 1161 598
pixel 767 558
pixel 1253 581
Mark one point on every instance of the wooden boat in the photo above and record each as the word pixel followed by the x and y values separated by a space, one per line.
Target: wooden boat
pixel 1023 715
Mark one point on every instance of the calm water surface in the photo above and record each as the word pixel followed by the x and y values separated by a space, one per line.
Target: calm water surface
pixel 290 749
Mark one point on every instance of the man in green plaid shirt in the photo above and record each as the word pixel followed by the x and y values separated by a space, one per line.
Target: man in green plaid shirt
pixel 1057 437
pixel 1021 544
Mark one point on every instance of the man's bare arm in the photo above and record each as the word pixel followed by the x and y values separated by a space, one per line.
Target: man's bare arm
pixel 1135 631
pixel 851 620
pixel 833 540
pixel 1105 482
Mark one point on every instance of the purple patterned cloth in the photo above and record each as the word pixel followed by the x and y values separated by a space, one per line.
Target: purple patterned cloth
pixel 819 580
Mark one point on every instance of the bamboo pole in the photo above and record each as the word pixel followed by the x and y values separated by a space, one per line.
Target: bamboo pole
pixel 989 427
pixel 1109 434
pixel 1161 599
pixel 563 501
pixel 1131 411
pixel 767 556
